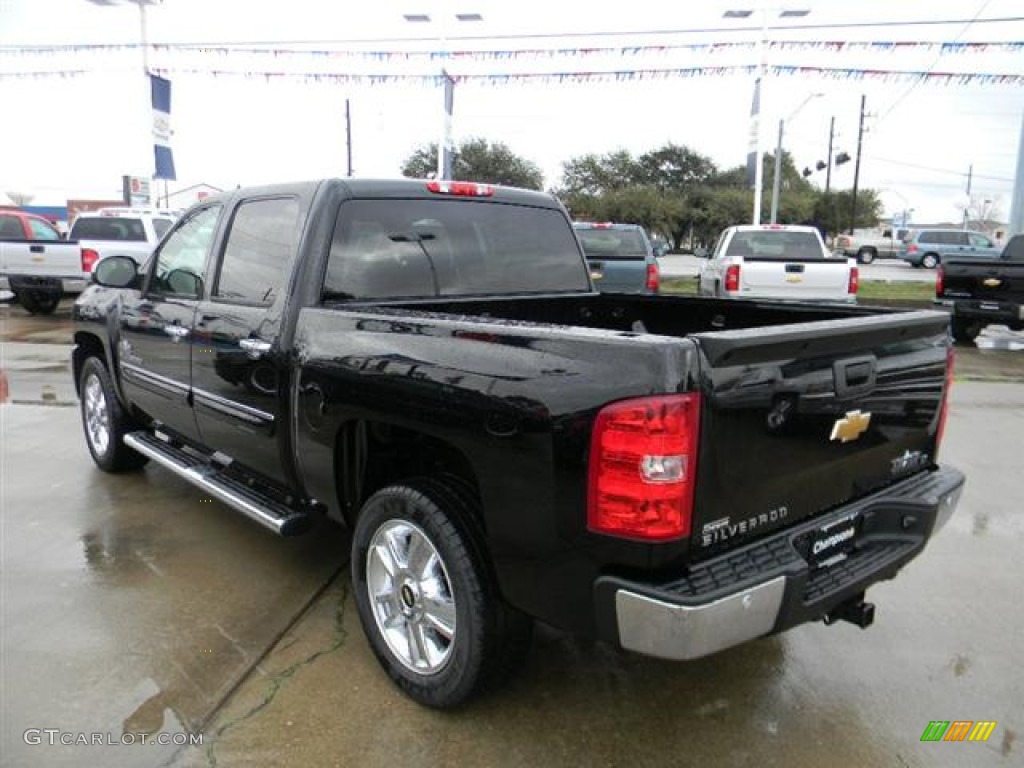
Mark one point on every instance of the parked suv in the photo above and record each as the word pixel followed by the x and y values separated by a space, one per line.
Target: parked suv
pixel 123 231
pixel 930 247
pixel 620 257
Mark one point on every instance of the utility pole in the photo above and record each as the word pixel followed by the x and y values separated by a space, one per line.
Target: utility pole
pixel 348 135
pixel 828 168
pixel 777 179
pixel 967 202
pixel 856 169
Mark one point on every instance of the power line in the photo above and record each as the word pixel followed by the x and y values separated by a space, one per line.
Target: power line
pixel 933 169
pixel 577 35
pixel 931 66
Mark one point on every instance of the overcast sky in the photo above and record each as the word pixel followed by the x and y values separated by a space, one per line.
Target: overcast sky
pixel 64 135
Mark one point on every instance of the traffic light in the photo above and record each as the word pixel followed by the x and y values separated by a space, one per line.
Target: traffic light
pixel 807 172
pixel 820 165
pixel 842 157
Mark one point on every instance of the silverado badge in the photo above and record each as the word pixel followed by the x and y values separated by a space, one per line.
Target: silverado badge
pixel 992 282
pixel 851 426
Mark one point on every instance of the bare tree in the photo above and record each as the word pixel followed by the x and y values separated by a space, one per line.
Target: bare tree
pixel 984 211
pixel 20 198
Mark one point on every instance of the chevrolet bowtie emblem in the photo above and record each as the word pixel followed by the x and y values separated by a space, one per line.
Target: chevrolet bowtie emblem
pixel 992 282
pixel 851 426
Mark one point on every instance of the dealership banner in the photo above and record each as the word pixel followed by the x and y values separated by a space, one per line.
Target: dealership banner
pixel 160 88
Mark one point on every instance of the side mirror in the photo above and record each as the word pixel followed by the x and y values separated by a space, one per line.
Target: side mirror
pixel 117 272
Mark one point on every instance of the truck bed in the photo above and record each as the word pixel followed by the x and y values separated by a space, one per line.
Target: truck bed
pixel 775 379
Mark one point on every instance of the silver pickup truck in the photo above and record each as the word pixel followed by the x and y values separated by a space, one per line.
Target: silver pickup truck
pixel 36 265
pixel 868 245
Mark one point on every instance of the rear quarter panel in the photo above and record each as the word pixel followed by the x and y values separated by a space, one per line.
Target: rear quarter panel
pixel 516 400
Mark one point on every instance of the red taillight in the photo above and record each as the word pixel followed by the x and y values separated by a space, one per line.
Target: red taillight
pixel 854 285
pixel 643 466
pixel 460 188
pixel 912 248
pixel 89 259
pixel 944 408
pixel 653 278
pixel 732 278
pixel 940 281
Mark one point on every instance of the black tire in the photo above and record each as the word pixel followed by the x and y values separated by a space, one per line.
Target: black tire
pixel 39 303
pixel 104 421
pixel 865 256
pixel 930 260
pixel 487 638
pixel 965 331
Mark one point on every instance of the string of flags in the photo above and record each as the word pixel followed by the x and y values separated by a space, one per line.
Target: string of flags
pixel 594 76
pixel 829 46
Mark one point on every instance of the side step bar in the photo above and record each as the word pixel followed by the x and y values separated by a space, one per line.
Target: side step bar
pixel 282 520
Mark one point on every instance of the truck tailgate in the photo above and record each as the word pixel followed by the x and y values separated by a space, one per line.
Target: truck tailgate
pixel 797 279
pixel 40 259
pixel 984 281
pixel 799 419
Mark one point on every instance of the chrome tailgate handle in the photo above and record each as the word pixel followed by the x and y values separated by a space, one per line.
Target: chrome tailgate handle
pixel 254 348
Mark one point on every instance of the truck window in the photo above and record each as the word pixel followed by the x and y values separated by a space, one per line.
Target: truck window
pixel 261 245
pixel 776 244
pixel 42 230
pixel 425 248
pixel 613 243
pixel 113 228
pixel 10 228
pixel 181 262
pixel 160 226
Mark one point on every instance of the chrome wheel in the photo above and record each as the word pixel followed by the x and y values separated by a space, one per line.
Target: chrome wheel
pixel 97 416
pixel 411 596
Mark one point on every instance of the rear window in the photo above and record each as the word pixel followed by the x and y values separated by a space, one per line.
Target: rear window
pixel 109 228
pixel 612 243
pixel 1014 250
pixel 425 248
pixel 777 244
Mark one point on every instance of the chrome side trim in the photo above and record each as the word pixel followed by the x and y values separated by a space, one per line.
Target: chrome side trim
pixel 231 408
pixel 145 376
pixel 680 632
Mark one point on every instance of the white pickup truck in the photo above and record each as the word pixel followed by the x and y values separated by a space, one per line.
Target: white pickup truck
pixel 122 231
pixel 775 261
pixel 36 265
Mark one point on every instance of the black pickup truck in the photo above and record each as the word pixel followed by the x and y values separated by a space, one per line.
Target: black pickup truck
pixel 982 292
pixel 428 364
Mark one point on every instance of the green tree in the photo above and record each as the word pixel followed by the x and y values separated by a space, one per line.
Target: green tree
pixel 833 210
pixel 591 175
pixel 477 159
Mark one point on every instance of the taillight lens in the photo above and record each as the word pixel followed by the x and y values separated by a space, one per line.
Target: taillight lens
pixel 460 188
pixel 643 465
pixel 653 277
pixel 89 259
pixel 732 278
pixel 854 284
pixel 911 248
pixel 940 281
pixel 944 408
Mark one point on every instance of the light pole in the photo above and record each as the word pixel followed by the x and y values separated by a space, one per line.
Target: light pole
pixel 755 111
pixel 144 45
pixel 446 145
pixel 777 180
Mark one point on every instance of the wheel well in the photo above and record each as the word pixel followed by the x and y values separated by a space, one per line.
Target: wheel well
pixel 868 249
pixel 86 345
pixel 369 455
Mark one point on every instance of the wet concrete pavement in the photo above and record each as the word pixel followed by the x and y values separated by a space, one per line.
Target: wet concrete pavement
pixel 130 603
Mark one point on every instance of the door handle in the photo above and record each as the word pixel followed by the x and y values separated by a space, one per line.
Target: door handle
pixel 37 249
pixel 254 348
pixel 176 332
